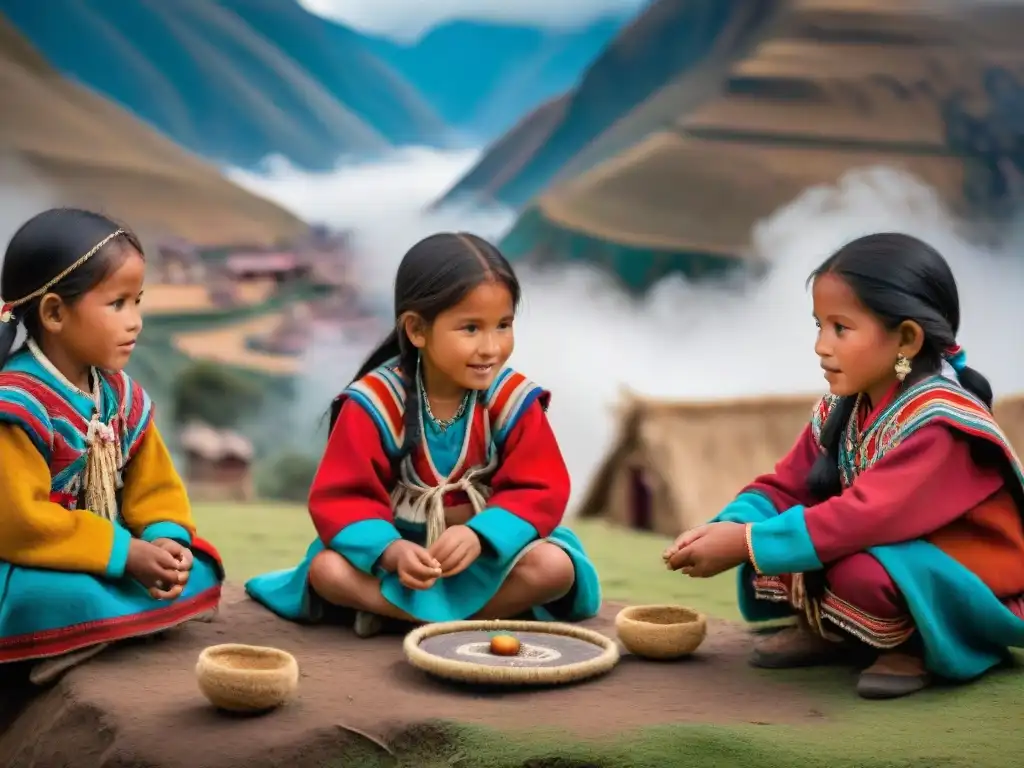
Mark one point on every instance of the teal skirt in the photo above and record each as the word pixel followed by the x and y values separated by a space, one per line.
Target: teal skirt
pixel 288 594
pixel 46 613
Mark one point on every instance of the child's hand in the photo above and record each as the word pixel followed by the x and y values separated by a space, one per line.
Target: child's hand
pixel 456 549
pixel 710 550
pixel 181 553
pixel 184 557
pixel 416 568
pixel 153 567
pixel 683 540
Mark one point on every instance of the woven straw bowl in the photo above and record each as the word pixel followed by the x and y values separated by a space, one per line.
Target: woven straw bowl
pixel 486 674
pixel 661 631
pixel 247 678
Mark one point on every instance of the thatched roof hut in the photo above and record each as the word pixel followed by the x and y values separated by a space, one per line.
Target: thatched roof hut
pixel 219 463
pixel 674 464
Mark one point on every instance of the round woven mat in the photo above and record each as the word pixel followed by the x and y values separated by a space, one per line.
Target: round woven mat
pixel 550 653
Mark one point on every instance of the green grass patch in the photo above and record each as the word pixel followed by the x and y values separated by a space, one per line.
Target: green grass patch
pixel 255 538
pixel 879 740
pixel 973 725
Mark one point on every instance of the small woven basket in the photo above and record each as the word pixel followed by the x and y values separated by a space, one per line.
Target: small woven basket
pixel 661 631
pixel 247 678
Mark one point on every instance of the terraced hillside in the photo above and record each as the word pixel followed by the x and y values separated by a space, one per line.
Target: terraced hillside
pixel 81 149
pixel 682 45
pixel 228 345
pixel 233 80
pixel 837 85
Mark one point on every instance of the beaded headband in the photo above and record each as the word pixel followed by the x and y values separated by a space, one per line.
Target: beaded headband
pixel 7 307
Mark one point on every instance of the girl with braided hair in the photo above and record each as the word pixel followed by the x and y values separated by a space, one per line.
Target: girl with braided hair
pixel 894 524
pixel 97 542
pixel 442 488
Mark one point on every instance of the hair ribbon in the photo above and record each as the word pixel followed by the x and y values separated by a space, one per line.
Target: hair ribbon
pixel 956 357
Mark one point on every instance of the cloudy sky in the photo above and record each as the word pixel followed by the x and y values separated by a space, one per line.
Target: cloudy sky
pixel 410 18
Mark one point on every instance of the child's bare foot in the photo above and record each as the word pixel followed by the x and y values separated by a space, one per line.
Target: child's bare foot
pixel 795 647
pixel 893 674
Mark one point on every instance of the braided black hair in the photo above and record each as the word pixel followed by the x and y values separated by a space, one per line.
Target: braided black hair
pixel 898 278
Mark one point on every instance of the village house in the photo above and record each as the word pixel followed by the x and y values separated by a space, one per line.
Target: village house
pixel 218 464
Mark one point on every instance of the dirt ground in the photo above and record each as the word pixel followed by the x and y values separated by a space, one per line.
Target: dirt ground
pixel 139 706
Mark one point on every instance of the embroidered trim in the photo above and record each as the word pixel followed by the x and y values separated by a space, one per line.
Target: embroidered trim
pixel 819 414
pixel 60 431
pixel 419 493
pixel 771 588
pixel 879 633
pixel 934 399
pixel 22 403
pixel 382 393
pixel 508 398
pixel 748 533
pixel 876 632
pixel 55 642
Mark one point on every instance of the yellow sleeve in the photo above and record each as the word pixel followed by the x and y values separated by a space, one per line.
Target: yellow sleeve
pixel 154 502
pixel 38 533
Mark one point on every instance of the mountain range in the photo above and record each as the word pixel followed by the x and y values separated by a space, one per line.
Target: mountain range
pixel 685 44
pixel 481 78
pixel 651 146
pixel 62 144
pixel 237 81
pixel 786 96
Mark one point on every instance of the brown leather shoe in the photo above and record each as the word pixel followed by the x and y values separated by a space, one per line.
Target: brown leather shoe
pixel 795 647
pixel 893 675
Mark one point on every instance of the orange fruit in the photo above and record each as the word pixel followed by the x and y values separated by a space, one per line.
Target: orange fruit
pixel 504 645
